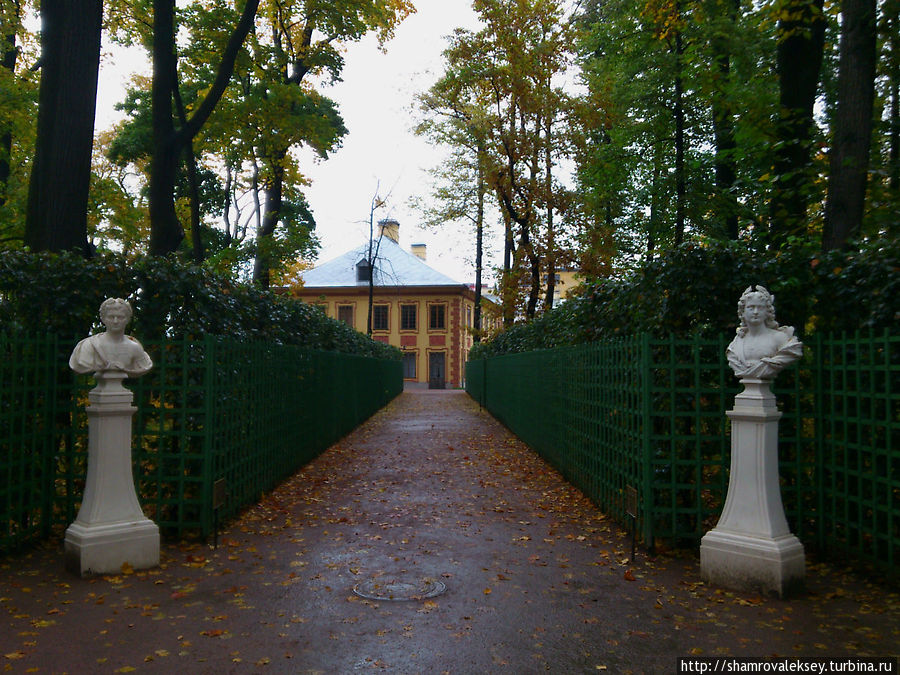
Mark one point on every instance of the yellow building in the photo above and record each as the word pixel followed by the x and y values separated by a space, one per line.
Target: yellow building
pixel 566 281
pixel 426 314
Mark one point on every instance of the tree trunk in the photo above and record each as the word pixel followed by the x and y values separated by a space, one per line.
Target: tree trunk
pixel 894 121
pixel 551 239
pixel 56 217
pixel 680 182
pixel 509 250
pixel 655 198
pixel 534 265
pixel 275 194
pixel 193 182
pixel 274 198
pixel 892 21
pixel 10 53
pixel 479 244
pixel 166 232
pixel 852 139
pixel 801 41
pixel 723 128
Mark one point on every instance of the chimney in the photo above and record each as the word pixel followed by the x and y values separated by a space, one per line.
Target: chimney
pixel 389 228
pixel 418 250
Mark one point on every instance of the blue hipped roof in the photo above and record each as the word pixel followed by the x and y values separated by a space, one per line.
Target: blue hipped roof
pixel 393 267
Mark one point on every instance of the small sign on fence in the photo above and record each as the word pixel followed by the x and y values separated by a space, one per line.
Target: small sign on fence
pixel 631 501
pixel 219 493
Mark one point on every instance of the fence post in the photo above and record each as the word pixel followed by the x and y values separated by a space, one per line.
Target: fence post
pixel 819 447
pixel 209 399
pixel 48 468
pixel 484 382
pixel 646 497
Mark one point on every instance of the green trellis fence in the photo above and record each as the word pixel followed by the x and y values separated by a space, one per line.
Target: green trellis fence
pixel 250 413
pixel 649 414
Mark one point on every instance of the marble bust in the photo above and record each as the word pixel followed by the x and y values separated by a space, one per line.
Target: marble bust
pixel 111 350
pixel 761 349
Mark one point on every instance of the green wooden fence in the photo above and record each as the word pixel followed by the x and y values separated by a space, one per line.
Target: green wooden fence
pixel 649 414
pixel 211 409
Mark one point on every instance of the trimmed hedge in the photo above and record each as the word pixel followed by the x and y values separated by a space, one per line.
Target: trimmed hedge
pixel 693 290
pixel 61 293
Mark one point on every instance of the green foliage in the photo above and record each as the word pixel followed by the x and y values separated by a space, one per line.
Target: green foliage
pixel 19 81
pixel 693 290
pixel 134 137
pixel 499 108
pixel 61 293
pixel 754 152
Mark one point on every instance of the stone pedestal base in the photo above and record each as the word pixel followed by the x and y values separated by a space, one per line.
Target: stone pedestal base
pixel 111 529
pixel 747 563
pixel 752 548
pixel 104 549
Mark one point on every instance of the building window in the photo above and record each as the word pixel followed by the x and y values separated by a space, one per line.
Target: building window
pixel 380 317
pixel 345 314
pixel 363 271
pixel 409 365
pixel 437 317
pixel 407 317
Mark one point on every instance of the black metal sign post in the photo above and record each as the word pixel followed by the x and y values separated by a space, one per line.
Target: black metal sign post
pixel 631 506
pixel 219 493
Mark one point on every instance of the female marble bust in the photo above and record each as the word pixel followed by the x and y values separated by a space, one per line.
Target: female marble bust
pixel 761 348
pixel 112 349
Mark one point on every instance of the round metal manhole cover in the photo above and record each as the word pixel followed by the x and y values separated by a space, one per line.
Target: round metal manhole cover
pixel 398 589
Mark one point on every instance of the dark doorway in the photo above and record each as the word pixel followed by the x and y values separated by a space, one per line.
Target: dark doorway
pixel 436 370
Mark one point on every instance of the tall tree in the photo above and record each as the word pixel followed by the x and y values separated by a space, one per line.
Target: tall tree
pixel 852 135
pixel 646 66
pixel 526 44
pixel 603 164
pixel 678 113
pixel 499 107
pixel 801 41
pixel 19 84
pixel 10 21
pixel 453 119
pixel 723 15
pixel 892 29
pixel 170 142
pixel 297 39
pixel 372 255
pixel 61 171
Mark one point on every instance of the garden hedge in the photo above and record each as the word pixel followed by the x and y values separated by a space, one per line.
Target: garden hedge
pixel 693 290
pixel 61 293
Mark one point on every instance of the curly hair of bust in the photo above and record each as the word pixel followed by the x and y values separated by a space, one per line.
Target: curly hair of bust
pixel 110 303
pixel 767 297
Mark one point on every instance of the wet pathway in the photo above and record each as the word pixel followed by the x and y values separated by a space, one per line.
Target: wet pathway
pixel 428 541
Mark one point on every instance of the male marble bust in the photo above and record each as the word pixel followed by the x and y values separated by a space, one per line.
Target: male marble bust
pixel 112 349
pixel 761 348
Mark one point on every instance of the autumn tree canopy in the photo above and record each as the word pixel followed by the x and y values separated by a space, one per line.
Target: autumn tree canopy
pixel 593 134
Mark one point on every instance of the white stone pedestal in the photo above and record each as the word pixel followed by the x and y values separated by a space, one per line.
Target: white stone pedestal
pixel 111 529
pixel 752 547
